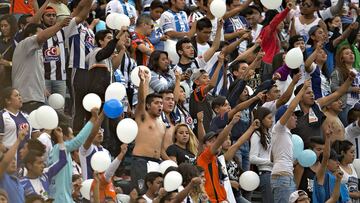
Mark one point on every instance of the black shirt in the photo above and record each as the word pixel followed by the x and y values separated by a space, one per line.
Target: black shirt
pixel 182 155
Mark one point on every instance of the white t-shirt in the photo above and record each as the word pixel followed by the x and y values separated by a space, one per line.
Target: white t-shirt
pixel 201 49
pixel 351 181
pixel 282 149
pixel 46 140
pixel 148 200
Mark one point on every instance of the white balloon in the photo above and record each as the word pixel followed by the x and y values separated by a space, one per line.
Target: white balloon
pixel 249 181
pixel 115 90
pixel 135 74
pixel 91 101
pixel 33 121
pixel 218 8
pixel 127 130
pixel 271 4
pixel 172 181
pixel 166 164
pixel 294 58
pixel 85 188
pixel 56 101
pixel 47 117
pixel 116 20
pixel 170 48
pixel 100 161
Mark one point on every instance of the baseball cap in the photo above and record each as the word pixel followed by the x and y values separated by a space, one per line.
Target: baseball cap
pixel 49 9
pixel 197 74
pixel 311 32
pixel 209 136
pixel 295 195
pixel 280 112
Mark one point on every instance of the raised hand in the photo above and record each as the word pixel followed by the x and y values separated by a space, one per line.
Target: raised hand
pixel 352 76
pixel 59 135
pixel 65 22
pixel 256 124
pixel 236 118
pixel 196 181
pixel 177 75
pixel 94 114
pixel 261 95
pixel 200 115
pixel 307 84
pixel 296 78
pixel 123 148
pixel 24 129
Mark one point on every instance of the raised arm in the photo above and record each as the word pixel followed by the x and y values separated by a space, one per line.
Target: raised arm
pixel 320 175
pixel 229 49
pixel 37 17
pixel 284 98
pixel 56 167
pixel 10 154
pixel 94 131
pixel 245 104
pixel 177 86
pixel 44 35
pixel 346 33
pixel 229 155
pixel 109 173
pixel 80 138
pixel 310 60
pixel 195 182
pixel 216 43
pixel 200 130
pixel 82 11
pixel 337 8
pixel 214 78
pixel 142 93
pixel 336 192
pixel 324 101
pixel 283 120
pixel 223 134
pixel 237 10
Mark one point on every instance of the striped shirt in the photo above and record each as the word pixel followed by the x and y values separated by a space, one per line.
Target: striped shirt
pixel 80 46
pixel 210 69
pixel 54 52
pixel 171 21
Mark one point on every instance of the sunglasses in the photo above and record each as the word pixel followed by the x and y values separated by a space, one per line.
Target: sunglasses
pixel 50 15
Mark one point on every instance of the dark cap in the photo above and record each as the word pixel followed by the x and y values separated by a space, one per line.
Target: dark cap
pixel 209 136
pixel 356 107
pixel 311 32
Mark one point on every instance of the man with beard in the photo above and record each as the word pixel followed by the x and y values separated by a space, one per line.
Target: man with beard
pixel 54 48
pixel 149 140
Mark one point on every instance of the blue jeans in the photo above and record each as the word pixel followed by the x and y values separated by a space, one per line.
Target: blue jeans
pixel 265 187
pixel 243 155
pixel 56 86
pixel 282 187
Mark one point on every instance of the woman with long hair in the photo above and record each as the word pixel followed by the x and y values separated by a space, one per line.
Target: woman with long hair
pixel 347 155
pixel 185 147
pixel 12 117
pixel 161 76
pixel 260 144
pixel 344 66
pixel 8 28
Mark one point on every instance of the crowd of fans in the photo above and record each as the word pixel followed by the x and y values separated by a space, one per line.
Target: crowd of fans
pixel 220 102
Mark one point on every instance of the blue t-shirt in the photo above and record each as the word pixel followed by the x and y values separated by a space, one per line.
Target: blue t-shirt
pixel 321 193
pixel 12 186
pixel 330 65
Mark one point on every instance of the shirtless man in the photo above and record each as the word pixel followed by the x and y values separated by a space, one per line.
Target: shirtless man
pixel 331 112
pixel 149 140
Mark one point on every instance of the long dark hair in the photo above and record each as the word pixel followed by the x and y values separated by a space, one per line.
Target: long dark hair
pixel 12 22
pixel 5 95
pixel 260 114
pixel 341 147
pixel 154 60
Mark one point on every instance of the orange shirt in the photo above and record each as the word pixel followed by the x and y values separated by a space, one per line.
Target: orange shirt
pixel 213 186
pixel 106 189
pixel 137 39
pixel 22 7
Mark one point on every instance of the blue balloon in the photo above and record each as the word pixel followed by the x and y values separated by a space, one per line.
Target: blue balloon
pixel 298 145
pixel 307 158
pixel 113 108
pixel 101 25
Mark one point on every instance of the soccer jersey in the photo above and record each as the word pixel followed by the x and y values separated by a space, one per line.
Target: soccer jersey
pixel 172 21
